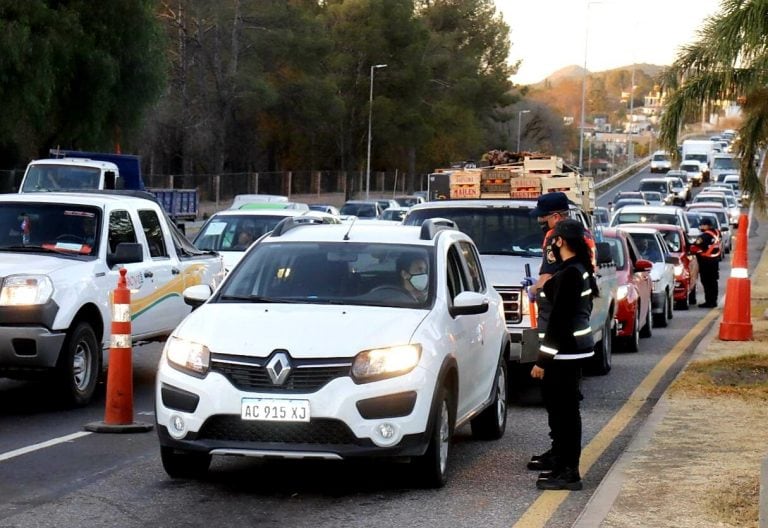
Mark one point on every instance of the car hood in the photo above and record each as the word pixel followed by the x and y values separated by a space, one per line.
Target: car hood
pixel 36 263
pixel 305 330
pixel 506 271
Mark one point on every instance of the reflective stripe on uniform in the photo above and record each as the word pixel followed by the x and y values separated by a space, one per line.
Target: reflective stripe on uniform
pixel 548 350
pixel 566 357
pixel 586 292
pixel 585 331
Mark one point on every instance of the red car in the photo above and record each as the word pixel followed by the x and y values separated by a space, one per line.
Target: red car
pixel 687 272
pixel 633 295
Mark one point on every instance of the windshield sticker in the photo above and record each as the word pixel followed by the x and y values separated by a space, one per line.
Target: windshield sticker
pixel 79 213
pixel 215 228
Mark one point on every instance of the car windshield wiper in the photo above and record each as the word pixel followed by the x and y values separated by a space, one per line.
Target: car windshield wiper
pixel 257 299
pixel 32 248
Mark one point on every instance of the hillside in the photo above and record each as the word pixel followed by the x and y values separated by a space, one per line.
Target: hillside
pixel 575 72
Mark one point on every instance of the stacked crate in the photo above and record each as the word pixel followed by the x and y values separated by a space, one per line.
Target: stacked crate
pixel 465 184
pixel 494 182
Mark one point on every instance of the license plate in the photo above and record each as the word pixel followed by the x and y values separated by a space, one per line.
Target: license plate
pixel 271 410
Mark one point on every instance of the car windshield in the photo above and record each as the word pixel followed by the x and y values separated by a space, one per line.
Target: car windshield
pixel 718 198
pixel 495 230
pixel 725 163
pixel 58 228
pixel 362 210
pixel 393 214
pixel 648 246
pixel 43 177
pixel 234 232
pixel 690 167
pixel 660 157
pixel 645 218
pixel 332 273
pixel 659 186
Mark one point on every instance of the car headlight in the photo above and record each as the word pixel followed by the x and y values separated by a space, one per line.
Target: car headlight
pixel 381 363
pixel 679 269
pixel 656 285
pixel 622 292
pixel 187 356
pixel 24 290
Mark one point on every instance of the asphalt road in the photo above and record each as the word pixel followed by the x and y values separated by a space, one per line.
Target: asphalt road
pixel 96 480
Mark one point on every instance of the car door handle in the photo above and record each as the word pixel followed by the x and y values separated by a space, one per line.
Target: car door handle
pixel 148 274
pixel 175 271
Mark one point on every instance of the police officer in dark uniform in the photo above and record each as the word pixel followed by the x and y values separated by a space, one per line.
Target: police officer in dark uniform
pixel 707 249
pixel 566 344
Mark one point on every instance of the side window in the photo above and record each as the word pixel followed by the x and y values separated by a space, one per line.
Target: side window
pixel 457 281
pixel 476 279
pixel 120 229
pixel 154 233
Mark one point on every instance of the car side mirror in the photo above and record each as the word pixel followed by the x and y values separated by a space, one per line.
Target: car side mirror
pixel 468 303
pixel 126 253
pixel 643 265
pixel 195 296
pixel 671 259
pixel 604 255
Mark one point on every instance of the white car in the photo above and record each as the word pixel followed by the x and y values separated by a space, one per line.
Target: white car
pixel 734 211
pixel 651 245
pixel 231 232
pixel 660 162
pixel 316 347
pixel 650 214
pixel 694 170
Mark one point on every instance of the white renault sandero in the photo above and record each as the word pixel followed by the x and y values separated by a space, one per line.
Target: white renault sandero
pixel 337 341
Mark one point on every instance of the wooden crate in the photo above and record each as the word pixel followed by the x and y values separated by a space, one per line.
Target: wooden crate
pixel 524 193
pixel 496 174
pixel 458 192
pixel 525 183
pixel 548 164
pixel 494 186
pixel 494 195
pixel 560 183
pixel 465 178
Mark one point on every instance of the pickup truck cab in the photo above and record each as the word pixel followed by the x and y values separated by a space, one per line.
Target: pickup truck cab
pixel 60 256
pixel 509 241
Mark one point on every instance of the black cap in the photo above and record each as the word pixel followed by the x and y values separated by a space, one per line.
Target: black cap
pixel 569 229
pixel 550 203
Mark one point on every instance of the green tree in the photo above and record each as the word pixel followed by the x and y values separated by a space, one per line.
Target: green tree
pixel 75 75
pixel 729 61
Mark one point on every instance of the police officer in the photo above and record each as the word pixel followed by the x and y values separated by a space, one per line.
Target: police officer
pixel 566 344
pixel 707 250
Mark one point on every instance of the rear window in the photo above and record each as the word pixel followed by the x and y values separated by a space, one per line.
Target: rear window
pixel 658 186
pixel 660 157
pixel 645 218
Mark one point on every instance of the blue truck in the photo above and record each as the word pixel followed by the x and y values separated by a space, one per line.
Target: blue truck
pixel 73 170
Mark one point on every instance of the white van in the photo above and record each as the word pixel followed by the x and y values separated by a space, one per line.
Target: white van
pixel 660 162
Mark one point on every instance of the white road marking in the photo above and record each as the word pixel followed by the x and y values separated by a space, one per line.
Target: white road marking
pixel 42 445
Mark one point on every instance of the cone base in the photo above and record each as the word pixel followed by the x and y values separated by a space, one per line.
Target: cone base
pixel 735 331
pixel 103 427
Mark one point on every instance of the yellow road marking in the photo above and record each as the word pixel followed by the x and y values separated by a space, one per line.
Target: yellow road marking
pixel 542 509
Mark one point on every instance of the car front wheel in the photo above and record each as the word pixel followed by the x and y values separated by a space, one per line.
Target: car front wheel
pixel 79 365
pixel 432 466
pixel 492 422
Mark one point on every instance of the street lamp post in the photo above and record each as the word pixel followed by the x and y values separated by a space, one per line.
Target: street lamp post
pixel 519 119
pixel 370 119
pixel 584 87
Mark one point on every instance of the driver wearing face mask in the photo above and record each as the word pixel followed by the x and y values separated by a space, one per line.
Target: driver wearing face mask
pixel 413 275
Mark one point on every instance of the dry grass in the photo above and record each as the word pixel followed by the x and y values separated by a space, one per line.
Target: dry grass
pixel 744 376
pixel 736 504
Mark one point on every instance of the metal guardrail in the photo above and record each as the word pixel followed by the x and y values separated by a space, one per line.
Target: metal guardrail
pixel 623 174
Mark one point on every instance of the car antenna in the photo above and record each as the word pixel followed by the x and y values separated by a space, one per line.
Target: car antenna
pixel 346 235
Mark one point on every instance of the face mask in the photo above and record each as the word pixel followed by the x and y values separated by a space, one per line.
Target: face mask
pixel 556 253
pixel 544 225
pixel 419 281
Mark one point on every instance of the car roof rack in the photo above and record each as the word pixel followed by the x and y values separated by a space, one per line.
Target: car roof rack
pixel 431 226
pixel 291 222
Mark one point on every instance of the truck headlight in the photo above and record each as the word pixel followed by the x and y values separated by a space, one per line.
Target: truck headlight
pixel 381 363
pixel 24 290
pixel 187 356
pixel 622 292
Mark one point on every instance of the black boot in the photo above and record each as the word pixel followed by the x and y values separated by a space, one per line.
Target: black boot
pixel 542 462
pixel 564 479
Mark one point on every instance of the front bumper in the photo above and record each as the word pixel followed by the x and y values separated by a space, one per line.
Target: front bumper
pixel 625 318
pixel 28 349
pixel 337 428
pixel 682 287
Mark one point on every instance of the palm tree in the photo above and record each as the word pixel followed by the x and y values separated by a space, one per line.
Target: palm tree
pixel 729 61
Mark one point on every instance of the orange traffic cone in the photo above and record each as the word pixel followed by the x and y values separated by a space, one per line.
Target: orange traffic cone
pixel 737 323
pixel 118 416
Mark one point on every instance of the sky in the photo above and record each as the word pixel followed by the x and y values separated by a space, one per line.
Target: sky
pixel 550 34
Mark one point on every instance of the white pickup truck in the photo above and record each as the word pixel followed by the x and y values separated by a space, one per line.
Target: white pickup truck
pixel 60 256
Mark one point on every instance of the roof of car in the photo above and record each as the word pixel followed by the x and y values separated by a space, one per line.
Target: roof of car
pixel 705 205
pixel 272 212
pixel 657 227
pixel 90 198
pixel 635 228
pixel 655 209
pixel 381 233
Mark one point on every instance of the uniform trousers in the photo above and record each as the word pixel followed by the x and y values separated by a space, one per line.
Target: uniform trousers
pixel 709 271
pixel 562 399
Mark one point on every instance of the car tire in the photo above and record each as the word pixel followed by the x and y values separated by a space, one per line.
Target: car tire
pixel 432 466
pixel 647 330
pixel 660 319
pixel 184 464
pixel 601 363
pixel 670 305
pixel 491 423
pixel 632 342
pixel 683 304
pixel 79 365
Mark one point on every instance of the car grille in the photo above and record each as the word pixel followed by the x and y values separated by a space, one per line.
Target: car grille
pixel 513 307
pixel 250 374
pixel 317 431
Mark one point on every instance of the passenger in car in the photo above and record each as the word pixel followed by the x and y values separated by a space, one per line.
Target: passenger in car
pixel 413 274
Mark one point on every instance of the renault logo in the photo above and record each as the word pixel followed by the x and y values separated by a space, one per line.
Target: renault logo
pixel 278 368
